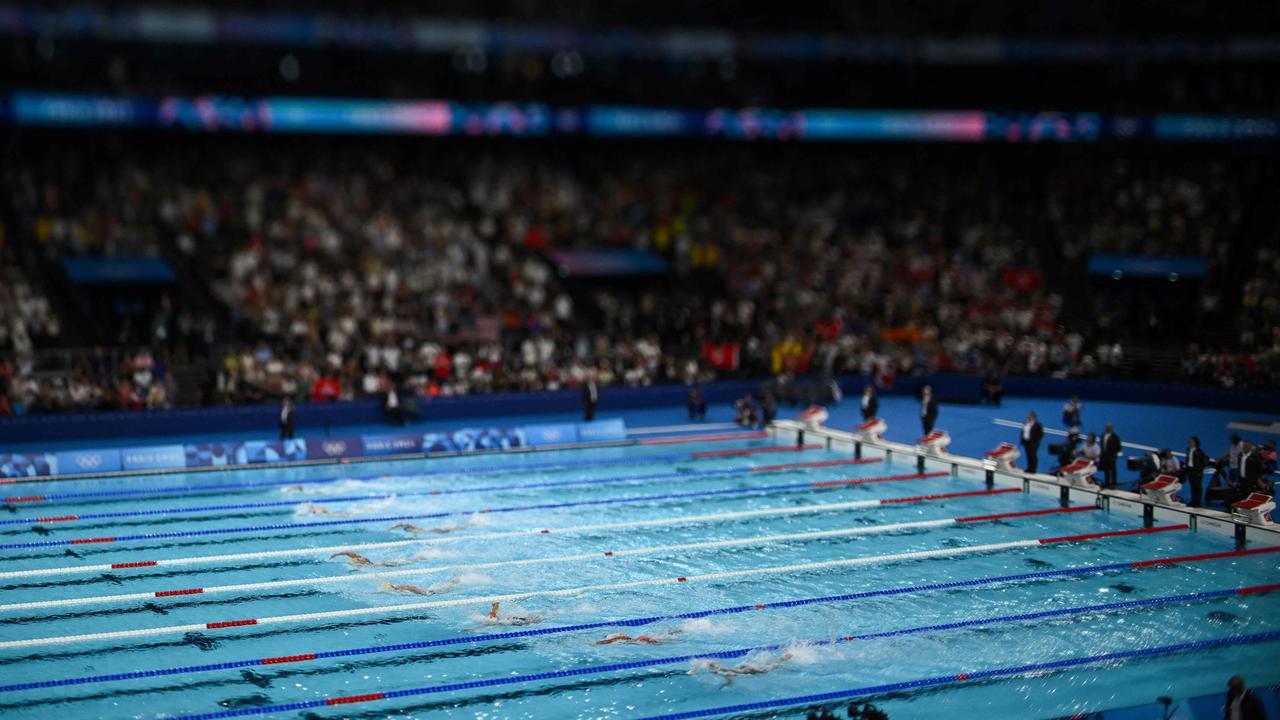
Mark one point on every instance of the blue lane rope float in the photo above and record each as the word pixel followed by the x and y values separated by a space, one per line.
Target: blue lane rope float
pixel 784 487
pixel 610 480
pixel 740 652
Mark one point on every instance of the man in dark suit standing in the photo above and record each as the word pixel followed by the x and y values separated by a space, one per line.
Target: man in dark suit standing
pixel 1110 456
pixel 870 403
pixel 928 409
pixel 1032 434
pixel 1197 461
pixel 1252 470
pixel 286 419
pixel 590 397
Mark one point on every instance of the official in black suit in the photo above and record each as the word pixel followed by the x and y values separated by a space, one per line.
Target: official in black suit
pixel 590 397
pixel 928 409
pixel 1252 470
pixel 1032 434
pixel 286 419
pixel 1111 448
pixel 870 403
pixel 1197 461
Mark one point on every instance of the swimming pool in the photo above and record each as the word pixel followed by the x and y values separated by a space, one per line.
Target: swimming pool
pixel 215 594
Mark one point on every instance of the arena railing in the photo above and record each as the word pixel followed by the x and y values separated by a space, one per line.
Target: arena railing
pixel 1110 500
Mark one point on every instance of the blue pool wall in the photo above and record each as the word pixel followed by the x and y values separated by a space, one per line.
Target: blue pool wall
pixel 36 432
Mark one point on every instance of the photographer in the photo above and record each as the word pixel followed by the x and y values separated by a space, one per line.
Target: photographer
pixel 1065 451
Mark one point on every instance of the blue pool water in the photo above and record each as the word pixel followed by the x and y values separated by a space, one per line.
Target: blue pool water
pixel 774 537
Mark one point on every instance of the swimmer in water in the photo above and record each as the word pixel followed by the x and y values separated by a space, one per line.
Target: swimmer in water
pixel 493 618
pixel 433 590
pixel 353 558
pixel 408 527
pixel 418 529
pixel 654 639
pixel 746 668
pixel 314 509
pixel 293 489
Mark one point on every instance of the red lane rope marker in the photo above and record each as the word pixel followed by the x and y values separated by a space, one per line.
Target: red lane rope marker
pixel 354 699
pixel 1113 533
pixel 1257 589
pixel 25 498
pixel 287 659
pixel 82 541
pixel 887 478
pixel 1026 513
pixel 755 451
pixel 1207 556
pixel 171 593
pixel 140 563
pixel 819 464
pixel 57 518
pixel 705 438
pixel 944 496
pixel 229 623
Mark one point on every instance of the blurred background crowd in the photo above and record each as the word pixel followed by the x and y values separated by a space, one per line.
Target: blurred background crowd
pixel 334 267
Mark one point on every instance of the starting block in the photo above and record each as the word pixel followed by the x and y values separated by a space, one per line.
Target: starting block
pixel 872 429
pixel 1163 490
pixel 1079 472
pixel 814 417
pixel 1255 509
pixel 935 443
pixel 1004 456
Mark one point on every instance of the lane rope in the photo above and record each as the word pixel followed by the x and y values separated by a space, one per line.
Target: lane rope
pixel 215 488
pixel 609 480
pixel 562 592
pixel 518 678
pixel 785 487
pixel 293 552
pixel 596 556
pixel 642 621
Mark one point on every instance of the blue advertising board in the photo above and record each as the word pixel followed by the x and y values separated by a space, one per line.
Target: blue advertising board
pixel 16 465
pixel 557 434
pixel 391 444
pixel 225 454
pixel 330 448
pixel 154 457
pixel 602 431
pixel 89 461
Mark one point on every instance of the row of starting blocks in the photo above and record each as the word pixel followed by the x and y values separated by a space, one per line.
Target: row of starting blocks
pixel 1163 490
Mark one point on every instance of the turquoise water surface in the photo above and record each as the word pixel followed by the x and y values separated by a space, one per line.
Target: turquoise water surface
pixel 239 542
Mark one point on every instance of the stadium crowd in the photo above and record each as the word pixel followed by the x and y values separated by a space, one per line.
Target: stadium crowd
pixel 347 272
